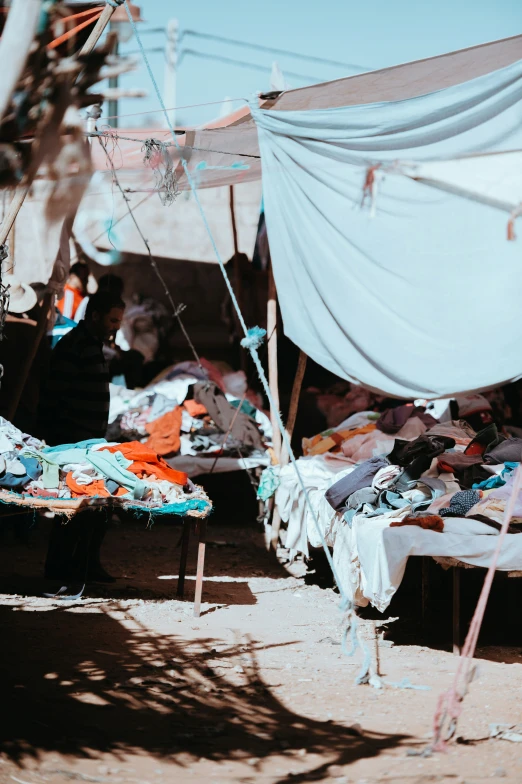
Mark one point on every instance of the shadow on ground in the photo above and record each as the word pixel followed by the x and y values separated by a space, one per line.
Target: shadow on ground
pixel 82 680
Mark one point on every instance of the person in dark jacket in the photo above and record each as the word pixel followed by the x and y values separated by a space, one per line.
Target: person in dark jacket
pixel 75 408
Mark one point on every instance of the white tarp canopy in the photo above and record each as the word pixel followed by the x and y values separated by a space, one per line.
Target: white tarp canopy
pixel 382 279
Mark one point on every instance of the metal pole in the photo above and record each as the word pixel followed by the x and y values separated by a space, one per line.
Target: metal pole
pixel 171 58
pixel 271 329
pixel 113 103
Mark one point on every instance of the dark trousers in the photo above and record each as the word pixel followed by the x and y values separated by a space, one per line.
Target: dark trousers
pixel 74 546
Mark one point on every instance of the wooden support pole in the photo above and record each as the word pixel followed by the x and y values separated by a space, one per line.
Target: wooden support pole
pixel 183 558
pixel 294 404
pixel 290 424
pixel 456 611
pixel 271 329
pixel 202 531
pixel 238 283
pixel 96 34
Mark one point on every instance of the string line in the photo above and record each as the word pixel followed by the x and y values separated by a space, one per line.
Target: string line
pixel 176 309
pixel 252 341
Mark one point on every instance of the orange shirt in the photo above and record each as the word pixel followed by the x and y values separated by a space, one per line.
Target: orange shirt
pixel 68 304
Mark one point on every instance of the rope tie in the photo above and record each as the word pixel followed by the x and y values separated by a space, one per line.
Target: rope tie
pixel 253 338
pixel 179 309
pixel 114 3
pixel 511 222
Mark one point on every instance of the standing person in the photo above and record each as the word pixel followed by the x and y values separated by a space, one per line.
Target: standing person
pixel 76 408
pixel 75 290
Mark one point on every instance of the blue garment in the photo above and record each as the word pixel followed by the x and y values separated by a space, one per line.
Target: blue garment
pixel 497 480
pixel 460 504
pixel 33 471
pixel 114 466
pixel 80 445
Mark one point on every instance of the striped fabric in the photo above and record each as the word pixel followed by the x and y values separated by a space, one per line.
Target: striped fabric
pixel 76 402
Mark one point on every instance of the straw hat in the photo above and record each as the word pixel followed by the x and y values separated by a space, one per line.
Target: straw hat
pixel 21 296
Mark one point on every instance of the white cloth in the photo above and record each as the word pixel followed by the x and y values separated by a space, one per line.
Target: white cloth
pixel 318 474
pixel 358 293
pixel 380 553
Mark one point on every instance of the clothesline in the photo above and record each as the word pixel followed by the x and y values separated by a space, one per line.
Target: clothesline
pixel 174 108
pixel 176 309
pixel 117 137
pixel 252 341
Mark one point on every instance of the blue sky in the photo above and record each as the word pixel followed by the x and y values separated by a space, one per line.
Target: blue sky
pixel 375 33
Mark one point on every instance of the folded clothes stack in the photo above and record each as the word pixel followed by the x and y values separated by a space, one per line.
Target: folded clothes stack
pixel 130 474
pixel 191 410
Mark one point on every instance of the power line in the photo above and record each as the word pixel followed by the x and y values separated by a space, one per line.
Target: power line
pixel 174 108
pixel 223 59
pixel 243 63
pixel 272 50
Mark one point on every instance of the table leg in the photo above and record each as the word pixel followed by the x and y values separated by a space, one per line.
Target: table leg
pixel 425 591
pixel 456 611
pixel 183 558
pixel 201 565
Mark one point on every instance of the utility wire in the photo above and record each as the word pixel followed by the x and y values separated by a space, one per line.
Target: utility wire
pixel 243 63
pixel 271 49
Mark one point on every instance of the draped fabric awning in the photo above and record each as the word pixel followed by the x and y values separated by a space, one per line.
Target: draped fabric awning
pixel 389 197
pixel 383 279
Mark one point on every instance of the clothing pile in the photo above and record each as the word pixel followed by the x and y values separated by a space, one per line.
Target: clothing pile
pixel 406 484
pixel 192 410
pixel 130 474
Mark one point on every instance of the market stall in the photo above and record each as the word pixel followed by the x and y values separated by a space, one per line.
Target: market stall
pixel 69 479
pixel 384 487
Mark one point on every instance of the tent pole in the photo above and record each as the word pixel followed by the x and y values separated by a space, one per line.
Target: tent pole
pixel 294 403
pixel 290 424
pixel 237 273
pixel 271 329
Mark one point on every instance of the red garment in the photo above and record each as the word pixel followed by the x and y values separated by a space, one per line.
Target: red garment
pixel 164 433
pixel 147 462
pixel 68 304
pixel 429 522
pixel 213 373
pixel 96 488
pixel 194 408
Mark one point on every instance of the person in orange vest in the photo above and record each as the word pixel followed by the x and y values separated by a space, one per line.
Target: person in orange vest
pixel 75 290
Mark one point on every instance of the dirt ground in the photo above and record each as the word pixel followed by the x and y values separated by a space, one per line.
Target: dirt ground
pixel 126 686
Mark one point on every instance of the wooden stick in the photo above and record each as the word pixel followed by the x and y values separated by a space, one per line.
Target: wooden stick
pixel 202 524
pixel 290 424
pixel 271 329
pixel 96 34
pixel 238 288
pixel 294 403
pixel 183 557
pixel 14 208
pixel 456 611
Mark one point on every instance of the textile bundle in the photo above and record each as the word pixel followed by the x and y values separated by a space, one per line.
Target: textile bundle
pixel 192 410
pixel 399 486
pixel 130 475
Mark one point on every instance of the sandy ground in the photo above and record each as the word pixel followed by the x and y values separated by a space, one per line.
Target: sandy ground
pixel 126 686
